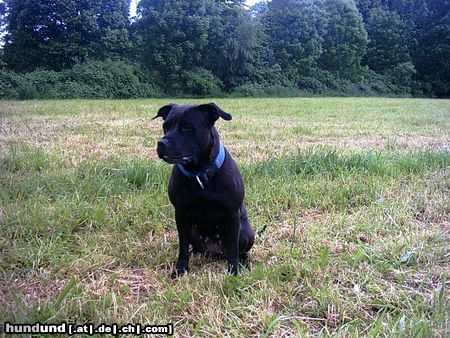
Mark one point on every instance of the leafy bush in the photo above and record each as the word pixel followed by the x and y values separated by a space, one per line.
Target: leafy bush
pixel 368 83
pixel 378 84
pixel 92 80
pixel 201 82
pixel 108 79
pixel 402 74
pixel 41 84
pixel 251 89
pixel 269 82
pixel 9 85
pixel 121 79
pixel 27 91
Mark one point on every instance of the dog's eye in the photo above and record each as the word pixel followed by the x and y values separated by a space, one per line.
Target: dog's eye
pixel 186 127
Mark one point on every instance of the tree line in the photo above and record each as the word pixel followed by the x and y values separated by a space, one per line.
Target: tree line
pixel 91 48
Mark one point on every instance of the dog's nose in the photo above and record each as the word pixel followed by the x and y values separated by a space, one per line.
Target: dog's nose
pixel 162 144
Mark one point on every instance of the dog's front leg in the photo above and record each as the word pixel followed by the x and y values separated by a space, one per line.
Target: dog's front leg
pixel 231 238
pixel 184 228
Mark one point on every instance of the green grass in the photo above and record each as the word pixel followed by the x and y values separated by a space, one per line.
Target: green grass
pixel 349 198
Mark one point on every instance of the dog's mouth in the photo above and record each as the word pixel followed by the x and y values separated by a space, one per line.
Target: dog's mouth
pixel 178 160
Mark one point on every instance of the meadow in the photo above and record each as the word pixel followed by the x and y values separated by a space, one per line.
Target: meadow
pixel 349 198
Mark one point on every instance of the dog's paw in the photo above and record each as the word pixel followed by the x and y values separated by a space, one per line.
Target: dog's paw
pixel 174 275
pixel 233 269
pixel 177 273
pixel 244 260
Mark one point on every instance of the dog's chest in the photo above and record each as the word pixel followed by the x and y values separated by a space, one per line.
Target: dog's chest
pixel 208 216
pixel 209 225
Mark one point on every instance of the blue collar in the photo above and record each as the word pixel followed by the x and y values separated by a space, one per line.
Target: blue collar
pixel 203 176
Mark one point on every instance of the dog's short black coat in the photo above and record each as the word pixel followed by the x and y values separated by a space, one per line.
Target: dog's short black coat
pixel 211 216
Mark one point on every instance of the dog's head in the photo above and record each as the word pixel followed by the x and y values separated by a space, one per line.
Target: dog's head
pixel 188 131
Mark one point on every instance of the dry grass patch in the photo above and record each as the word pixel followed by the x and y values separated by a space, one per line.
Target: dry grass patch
pixel 124 129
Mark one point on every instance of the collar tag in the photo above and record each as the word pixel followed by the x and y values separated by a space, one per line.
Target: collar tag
pixel 200 182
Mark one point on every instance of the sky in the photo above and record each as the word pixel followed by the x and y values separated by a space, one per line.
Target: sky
pixel 133 7
pixel 134 3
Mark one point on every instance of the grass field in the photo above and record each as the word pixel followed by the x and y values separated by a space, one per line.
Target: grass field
pixel 349 197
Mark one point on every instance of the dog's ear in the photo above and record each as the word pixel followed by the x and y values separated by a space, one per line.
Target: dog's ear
pixel 164 111
pixel 214 112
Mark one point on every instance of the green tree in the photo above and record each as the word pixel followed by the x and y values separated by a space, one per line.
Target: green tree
pixel 259 8
pixel 55 34
pixel 345 38
pixel 2 32
pixel 173 38
pixel 366 6
pixel 432 54
pixel 388 45
pixel 295 30
pixel 184 42
pixel 410 11
pixel 112 36
pixel 2 15
pixel 234 41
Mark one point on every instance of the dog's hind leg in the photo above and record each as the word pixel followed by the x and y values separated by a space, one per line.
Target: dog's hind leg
pixel 246 237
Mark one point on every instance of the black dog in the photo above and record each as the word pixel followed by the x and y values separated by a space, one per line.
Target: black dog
pixel 205 187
